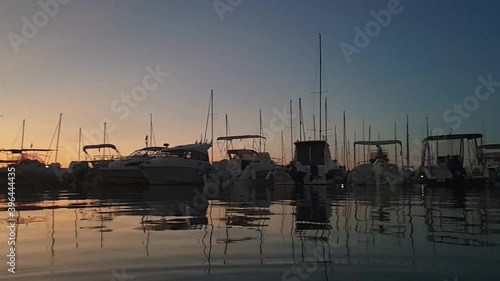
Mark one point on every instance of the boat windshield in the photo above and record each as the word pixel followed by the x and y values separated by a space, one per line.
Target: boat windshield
pixel 144 153
pixel 183 153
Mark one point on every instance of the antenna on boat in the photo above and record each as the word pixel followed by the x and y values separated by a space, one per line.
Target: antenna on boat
pixel 58 135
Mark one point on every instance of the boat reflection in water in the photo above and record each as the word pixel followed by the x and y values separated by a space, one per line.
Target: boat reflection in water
pixel 259 231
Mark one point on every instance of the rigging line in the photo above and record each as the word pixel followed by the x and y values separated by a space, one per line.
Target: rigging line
pixel 208 118
pixel 17 135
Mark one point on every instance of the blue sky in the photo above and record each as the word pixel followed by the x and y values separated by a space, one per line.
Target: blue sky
pixel 261 55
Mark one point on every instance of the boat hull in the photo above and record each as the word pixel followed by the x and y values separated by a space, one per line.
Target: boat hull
pixel 122 175
pixel 164 175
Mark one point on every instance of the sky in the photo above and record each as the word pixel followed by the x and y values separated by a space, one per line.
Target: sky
pixel 86 56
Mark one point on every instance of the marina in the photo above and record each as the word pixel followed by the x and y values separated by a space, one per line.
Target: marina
pixel 249 140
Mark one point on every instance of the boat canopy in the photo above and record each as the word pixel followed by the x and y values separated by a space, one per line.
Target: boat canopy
pixel 99 146
pixel 453 137
pixel 230 138
pixel 490 146
pixel 20 151
pixel 310 142
pixel 384 142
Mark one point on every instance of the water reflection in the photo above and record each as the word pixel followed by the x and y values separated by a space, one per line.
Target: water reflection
pixel 286 230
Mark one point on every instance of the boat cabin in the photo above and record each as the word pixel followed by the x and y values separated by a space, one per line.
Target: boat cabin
pixel 195 152
pixel 312 152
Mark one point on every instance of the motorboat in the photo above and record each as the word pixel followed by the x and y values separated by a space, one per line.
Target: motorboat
pixel 126 170
pixel 245 164
pixel 30 168
pixel 87 169
pixel 378 170
pixel 490 153
pixel 453 158
pixel 313 164
pixel 183 164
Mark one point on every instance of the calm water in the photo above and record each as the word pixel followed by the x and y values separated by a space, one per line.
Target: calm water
pixel 256 233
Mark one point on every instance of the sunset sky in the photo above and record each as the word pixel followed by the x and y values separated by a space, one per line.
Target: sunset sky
pixel 256 56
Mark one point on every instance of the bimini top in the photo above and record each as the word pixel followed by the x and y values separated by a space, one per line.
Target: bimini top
pixel 383 142
pixel 99 146
pixel 200 147
pixel 490 146
pixel 453 137
pixel 229 138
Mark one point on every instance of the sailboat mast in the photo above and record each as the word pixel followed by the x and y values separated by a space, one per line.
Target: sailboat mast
pixel 354 150
pixel 484 132
pixel 104 148
pixel 369 138
pixel 282 149
pixel 395 145
pixel 58 135
pixel 320 81
pixel 150 129
pixel 326 119
pixel 300 119
pixel 22 136
pixel 345 147
pixel 212 121
pixel 79 142
pixel 407 142
pixel 314 126
pixel 260 130
pixel 336 145
pixel 227 133
pixel 291 131
pixel 364 150
pixel 427 125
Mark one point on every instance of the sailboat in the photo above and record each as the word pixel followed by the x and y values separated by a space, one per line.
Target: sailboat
pixel 29 166
pixel 312 162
